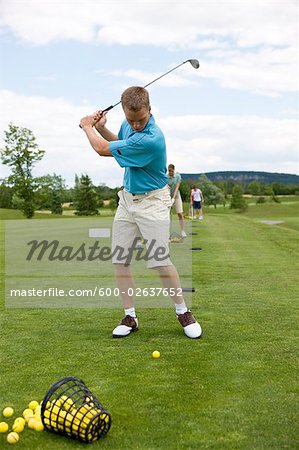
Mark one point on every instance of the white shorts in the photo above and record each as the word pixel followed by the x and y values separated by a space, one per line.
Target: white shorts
pixel 146 216
pixel 178 203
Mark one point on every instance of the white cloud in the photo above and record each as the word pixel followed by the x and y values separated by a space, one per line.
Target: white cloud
pixel 211 143
pixel 178 23
pixel 258 39
pixel 266 71
pixel 195 143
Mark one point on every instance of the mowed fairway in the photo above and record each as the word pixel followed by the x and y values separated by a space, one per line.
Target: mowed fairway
pixel 233 389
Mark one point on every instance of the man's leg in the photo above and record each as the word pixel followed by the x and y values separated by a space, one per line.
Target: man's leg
pixel 171 281
pixel 124 234
pixel 153 223
pixel 182 225
pixel 125 284
pixel 200 213
pixel 179 210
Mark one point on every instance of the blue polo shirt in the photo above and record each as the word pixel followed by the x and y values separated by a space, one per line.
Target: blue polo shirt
pixel 143 155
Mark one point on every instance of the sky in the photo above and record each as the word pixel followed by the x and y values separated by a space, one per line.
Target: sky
pixel 63 59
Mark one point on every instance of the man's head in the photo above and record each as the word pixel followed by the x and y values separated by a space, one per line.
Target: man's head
pixel 135 103
pixel 171 170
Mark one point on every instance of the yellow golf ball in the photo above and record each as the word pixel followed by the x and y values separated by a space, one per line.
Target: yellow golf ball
pixel 12 438
pixel 3 427
pixel 32 405
pixel 39 426
pixel 20 420
pixel 105 417
pixel 8 412
pixel 32 422
pixel 66 402
pixel 28 414
pixel 38 409
pixel 18 427
pixel 156 354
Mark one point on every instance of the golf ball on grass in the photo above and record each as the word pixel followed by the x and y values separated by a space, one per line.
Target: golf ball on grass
pixel 156 354
pixel 32 405
pixel 21 420
pixel 18 427
pixel 39 426
pixel 13 437
pixel 8 412
pixel 28 414
pixel 31 423
pixel 3 427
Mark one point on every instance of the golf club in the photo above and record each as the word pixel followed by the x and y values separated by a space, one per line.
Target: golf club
pixel 194 63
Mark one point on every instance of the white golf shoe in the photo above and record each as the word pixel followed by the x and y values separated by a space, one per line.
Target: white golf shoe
pixel 127 326
pixel 192 329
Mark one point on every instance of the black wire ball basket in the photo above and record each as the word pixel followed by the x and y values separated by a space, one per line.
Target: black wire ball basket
pixel 70 409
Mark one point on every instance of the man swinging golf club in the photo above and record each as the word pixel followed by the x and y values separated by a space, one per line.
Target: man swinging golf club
pixel 144 203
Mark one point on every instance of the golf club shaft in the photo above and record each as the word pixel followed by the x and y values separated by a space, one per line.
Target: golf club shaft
pixel 192 61
pixel 156 79
pixel 164 74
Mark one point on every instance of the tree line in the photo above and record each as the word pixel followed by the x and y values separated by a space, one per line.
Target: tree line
pixel 22 191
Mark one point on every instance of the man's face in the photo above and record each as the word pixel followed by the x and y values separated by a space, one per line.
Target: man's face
pixel 170 172
pixel 138 119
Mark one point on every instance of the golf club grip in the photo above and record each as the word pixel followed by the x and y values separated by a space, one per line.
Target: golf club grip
pixel 104 110
pixel 108 109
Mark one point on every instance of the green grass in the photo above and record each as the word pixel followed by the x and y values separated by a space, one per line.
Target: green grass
pixel 11 214
pixel 233 389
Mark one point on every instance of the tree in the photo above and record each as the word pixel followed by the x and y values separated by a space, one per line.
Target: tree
pixel 237 200
pixel 211 193
pixel 85 197
pixel 6 194
pixel 112 204
pixel 51 193
pixel 254 188
pixel 56 206
pixel 21 152
pixel 185 190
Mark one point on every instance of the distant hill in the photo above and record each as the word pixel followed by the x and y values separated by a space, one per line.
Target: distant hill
pixel 246 177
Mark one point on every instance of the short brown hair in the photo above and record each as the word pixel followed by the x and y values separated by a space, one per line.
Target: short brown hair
pixel 135 98
pixel 171 166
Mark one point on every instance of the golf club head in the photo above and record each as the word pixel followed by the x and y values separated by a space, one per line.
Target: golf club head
pixel 194 63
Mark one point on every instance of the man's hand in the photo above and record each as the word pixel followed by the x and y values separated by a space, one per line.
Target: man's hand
pixel 172 201
pixel 100 119
pixel 87 121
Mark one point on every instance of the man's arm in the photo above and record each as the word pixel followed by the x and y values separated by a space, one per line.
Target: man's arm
pixel 176 190
pixel 100 125
pixel 191 196
pixel 106 134
pixel 101 146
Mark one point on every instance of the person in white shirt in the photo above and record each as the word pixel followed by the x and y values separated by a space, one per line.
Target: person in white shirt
pixel 196 200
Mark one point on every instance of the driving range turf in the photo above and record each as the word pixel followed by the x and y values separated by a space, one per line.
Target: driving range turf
pixel 233 389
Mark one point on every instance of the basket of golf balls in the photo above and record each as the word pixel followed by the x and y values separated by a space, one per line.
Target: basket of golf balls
pixel 70 409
